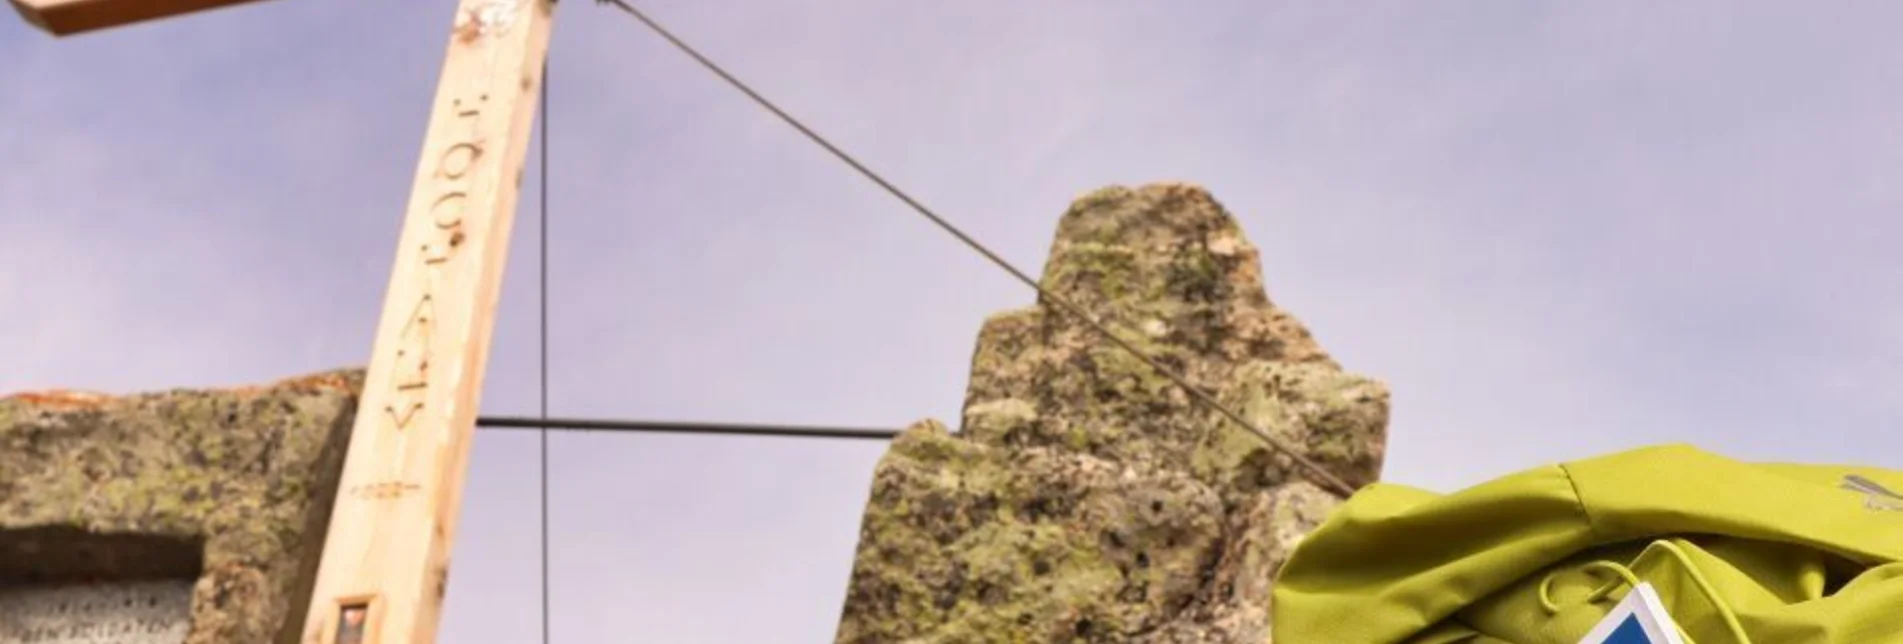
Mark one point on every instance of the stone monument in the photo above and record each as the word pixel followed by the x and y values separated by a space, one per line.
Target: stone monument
pixel 181 517
pixel 1087 499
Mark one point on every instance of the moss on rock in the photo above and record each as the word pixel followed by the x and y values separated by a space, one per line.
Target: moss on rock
pixel 1088 498
pixel 232 487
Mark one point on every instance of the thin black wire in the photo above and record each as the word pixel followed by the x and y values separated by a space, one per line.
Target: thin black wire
pixel 543 194
pixel 1315 471
pixel 680 427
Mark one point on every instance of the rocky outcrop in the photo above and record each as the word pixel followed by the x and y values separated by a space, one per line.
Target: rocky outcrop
pixel 231 487
pixel 1088 499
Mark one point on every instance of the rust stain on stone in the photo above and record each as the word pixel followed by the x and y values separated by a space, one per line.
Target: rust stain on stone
pixel 60 398
pixel 332 381
pixel 70 399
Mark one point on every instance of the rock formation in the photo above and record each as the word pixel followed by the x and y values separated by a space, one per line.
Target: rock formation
pixel 230 487
pixel 1088 499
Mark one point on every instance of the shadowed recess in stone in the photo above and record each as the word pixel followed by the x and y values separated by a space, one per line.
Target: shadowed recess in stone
pixel 65 554
pixel 1086 497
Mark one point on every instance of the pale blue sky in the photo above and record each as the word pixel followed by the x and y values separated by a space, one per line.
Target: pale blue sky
pixel 1555 230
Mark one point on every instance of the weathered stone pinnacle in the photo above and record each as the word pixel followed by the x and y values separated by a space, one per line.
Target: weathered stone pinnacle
pixel 1087 498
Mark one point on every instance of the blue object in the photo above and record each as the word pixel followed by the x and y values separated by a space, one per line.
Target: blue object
pixel 1638 619
pixel 1629 632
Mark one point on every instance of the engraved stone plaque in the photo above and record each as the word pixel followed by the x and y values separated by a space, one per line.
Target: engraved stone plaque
pixel 124 612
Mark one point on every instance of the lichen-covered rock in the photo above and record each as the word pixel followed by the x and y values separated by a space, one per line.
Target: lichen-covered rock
pixel 232 487
pixel 1086 497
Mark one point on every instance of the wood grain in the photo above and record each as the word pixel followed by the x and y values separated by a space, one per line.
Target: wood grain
pixel 391 530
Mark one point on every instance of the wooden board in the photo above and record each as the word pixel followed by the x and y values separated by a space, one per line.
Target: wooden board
pixel 67 17
pixel 385 565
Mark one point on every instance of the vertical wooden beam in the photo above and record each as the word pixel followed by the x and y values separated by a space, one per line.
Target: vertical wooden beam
pixel 385 563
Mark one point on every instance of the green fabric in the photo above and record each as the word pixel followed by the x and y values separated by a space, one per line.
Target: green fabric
pixel 1739 552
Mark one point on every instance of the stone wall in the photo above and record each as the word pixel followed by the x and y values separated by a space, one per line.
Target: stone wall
pixel 1088 499
pixel 225 492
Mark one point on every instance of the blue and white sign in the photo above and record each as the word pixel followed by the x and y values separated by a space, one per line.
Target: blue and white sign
pixel 1640 618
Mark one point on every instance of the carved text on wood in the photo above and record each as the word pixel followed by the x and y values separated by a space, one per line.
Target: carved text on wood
pixel 453 172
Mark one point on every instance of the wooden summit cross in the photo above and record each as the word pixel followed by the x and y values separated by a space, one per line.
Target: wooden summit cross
pixel 385 563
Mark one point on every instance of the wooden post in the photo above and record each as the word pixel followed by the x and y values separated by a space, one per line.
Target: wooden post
pixel 386 557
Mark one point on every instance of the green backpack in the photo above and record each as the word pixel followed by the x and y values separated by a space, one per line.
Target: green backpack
pixel 1738 552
